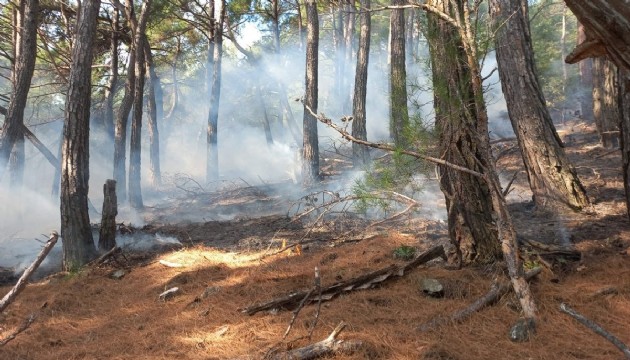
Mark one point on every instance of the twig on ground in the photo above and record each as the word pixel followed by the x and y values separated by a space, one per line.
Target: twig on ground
pixel 102 258
pixel 21 283
pixel 296 312
pixel 25 325
pixel 496 292
pixel 506 191
pixel 596 328
pixel 318 287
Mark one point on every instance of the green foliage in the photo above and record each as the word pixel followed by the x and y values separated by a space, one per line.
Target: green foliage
pixel 404 252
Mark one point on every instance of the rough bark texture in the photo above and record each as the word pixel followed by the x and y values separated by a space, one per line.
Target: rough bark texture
pixel 348 38
pixel 471 227
pixel 624 127
pixel 22 74
pixel 552 178
pixel 607 22
pixel 605 106
pixel 360 154
pixel 155 114
pixel 212 160
pixel 78 244
pixel 135 164
pixel 586 81
pixel 398 111
pixel 110 92
pixel 107 232
pixel 310 150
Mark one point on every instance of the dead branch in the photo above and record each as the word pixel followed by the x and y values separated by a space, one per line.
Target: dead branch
pixel 25 325
pixel 318 287
pixel 596 328
pixel 497 290
pixel 296 312
pixel 13 293
pixel 506 191
pixel 328 346
pixel 102 258
pixel 364 281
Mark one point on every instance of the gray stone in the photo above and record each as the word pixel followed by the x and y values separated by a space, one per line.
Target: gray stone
pixel 432 287
pixel 522 330
pixel 118 274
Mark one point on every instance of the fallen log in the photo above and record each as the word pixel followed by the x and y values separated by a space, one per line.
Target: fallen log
pixel 497 290
pixel 596 328
pixel 25 325
pixel 21 283
pixel 328 346
pixel 365 281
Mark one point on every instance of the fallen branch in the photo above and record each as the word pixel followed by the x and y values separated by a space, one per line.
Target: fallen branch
pixel 496 292
pixel 365 281
pixel 21 283
pixel 596 328
pixel 328 346
pixel 103 257
pixel 25 325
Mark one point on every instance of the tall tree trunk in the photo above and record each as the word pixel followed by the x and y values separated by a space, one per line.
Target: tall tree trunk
pixel 624 127
pixel 298 7
pixel 348 36
pixel 360 154
pixel 565 75
pixel 310 150
pixel 156 106
pixel 472 229
pixel 551 176
pixel 112 82
pixel 263 109
pixel 78 244
pixel 175 91
pixel 398 111
pixel 135 164
pixel 586 81
pixel 605 102
pixel 23 70
pixel 212 160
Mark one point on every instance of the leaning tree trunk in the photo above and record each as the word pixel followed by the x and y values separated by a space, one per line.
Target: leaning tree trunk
pixel 23 70
pixel 310 150
pixel 156 106
pixel 212 160
pixel 78 244
pixel 398 111
pixel 605 102
pixel 360 154
pixel 471 226
pixel 135 164
pixel 552 178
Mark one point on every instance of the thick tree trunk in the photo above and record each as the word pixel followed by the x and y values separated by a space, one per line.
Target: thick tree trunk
pixel 551 176
pixel 605 102
pixel 135 164
pixel 472 229
pixel 155 114
pixel 212 160
pixel 398 111
pixel 310 150
pixel 586 81
pixel 78 244
pixel 360 154
pixel 624 127
pixel 348 38
pixel 22 75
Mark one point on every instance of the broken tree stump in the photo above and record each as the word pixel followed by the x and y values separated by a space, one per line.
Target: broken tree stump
pixel 365 281
pixel 107 233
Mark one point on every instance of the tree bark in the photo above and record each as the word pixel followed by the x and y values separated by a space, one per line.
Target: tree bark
pixel 551 176
pixel 310 150
pixel 156 111
pixel 348 38
pixel 398 111
pixel 107 233
pixel 360 154
pixel 212 160
pixel 471 227
pixel 110 93
pixel 586 81
pixel 135 165
pixel 624 127
pixel 22 75
pixel 605 106
pixel 78 244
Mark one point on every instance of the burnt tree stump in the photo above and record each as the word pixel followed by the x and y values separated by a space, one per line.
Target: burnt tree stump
pixel 107 233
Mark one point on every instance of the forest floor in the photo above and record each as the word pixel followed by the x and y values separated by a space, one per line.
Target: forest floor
pixel 229 261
